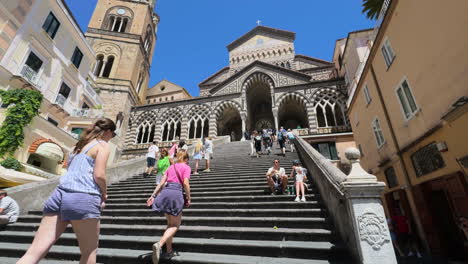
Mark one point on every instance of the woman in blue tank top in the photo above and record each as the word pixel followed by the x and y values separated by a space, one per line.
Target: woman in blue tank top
pixel 79 198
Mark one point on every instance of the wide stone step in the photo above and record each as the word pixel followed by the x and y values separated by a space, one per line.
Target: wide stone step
pixel 198 188
pixel 284 222
pixel 234 182
pixel 227 212
pixel 305 249
pixel 220 205
pixel 141 198
pixel 12 260
pixel 105 255
pixel 220 232
pixel 195 194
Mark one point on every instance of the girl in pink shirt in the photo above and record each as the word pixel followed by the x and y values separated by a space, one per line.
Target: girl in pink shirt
pixel 169 199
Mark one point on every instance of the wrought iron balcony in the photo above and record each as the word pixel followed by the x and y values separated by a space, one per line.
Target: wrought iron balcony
pixel 30 75
pixel 89 113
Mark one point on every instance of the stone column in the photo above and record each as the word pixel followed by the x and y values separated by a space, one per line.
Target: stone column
pixel 311 118
pixel 212 130
pixel 102 69
pixel 363 200
pixel 244 118
pixel 275 116
pixel 184 128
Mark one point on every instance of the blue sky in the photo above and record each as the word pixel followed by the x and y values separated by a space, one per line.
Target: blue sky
pixel 193 35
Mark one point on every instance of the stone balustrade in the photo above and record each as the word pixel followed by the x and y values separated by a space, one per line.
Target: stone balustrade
pixel 354 204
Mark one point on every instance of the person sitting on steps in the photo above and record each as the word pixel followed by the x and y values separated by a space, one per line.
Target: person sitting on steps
pixel 277 178
pixel 300 176
pixel 9 209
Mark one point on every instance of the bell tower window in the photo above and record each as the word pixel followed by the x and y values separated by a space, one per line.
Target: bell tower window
pixel 118 19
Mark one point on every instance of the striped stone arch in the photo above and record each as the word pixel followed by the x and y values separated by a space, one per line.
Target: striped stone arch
pixel 225 104
pixel 219 110
pixel 305 109
pixel 292 96
pixel 329 105
pixel 257 77
pixel 197 121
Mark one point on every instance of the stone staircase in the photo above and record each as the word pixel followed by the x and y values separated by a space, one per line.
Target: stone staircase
pixel 233 220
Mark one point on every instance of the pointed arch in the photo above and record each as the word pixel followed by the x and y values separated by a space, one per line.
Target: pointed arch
pixel 330 107
pixel 198 125
pixel 171 124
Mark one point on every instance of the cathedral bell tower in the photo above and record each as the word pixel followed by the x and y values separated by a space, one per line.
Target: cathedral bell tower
pixel 123 35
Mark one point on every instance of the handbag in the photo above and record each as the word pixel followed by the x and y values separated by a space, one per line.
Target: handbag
pixel 182 183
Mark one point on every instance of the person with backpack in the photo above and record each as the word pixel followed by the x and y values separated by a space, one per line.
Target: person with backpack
pixel 291 137
pixel 299 173
pixel 266 141
pixel 282 141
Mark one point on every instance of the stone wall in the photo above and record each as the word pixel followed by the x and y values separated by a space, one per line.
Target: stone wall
pixel 32 196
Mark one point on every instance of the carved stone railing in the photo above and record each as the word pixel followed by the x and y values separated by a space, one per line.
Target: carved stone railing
pixel 353 203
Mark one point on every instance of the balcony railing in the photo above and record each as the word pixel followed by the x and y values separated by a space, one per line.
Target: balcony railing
pixel 30 75
pixel 89 113
pixel 60 100
pixel 333 129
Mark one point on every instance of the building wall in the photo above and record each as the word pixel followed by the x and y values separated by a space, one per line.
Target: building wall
pixel 12 15
pixel 430 54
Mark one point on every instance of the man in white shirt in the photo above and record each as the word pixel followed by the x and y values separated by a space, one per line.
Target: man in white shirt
pixel 151 158
pixel 208 146
pixel 9 209
pixel 277 178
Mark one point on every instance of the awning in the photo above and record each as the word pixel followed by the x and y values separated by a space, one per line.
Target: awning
pixel 50 151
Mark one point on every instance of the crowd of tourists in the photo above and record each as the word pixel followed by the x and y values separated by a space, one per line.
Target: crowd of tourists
pixel 261 141
pixel 82 192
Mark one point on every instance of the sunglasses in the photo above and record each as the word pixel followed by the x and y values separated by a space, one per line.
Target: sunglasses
pixel 276 162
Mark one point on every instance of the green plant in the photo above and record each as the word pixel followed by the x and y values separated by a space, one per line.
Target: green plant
pixel 372 8
pixel 23 106
pixel 11 163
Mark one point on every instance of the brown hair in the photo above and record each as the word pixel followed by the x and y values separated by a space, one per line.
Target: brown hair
pixel 182 156
pixel 164 153
pixel 96 131
pixel 3 192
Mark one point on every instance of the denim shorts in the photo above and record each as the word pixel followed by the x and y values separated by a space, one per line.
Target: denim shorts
pixel 73 205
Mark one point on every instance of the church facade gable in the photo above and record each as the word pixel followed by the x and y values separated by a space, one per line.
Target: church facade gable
pixel 281 78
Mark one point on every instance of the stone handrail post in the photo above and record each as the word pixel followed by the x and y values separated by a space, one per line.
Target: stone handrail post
pixel 362 194
pixel 354 204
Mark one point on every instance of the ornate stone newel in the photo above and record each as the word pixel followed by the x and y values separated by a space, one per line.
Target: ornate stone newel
pixel 363 200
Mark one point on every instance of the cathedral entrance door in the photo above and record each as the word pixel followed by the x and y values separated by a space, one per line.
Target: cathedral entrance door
pixel 259 103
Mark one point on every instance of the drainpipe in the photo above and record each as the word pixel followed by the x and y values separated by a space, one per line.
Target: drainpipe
pixel 410 188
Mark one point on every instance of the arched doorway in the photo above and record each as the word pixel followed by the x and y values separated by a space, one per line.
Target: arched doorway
pixel 46 155
pixel 292 112
pixel 229 122
pixel 257 89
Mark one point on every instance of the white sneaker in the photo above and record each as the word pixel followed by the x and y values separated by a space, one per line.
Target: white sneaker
pixel 303 199
pixel 297 199
pixel 156 252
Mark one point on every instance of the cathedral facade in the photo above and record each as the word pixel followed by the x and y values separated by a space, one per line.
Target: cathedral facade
pixel 266 85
